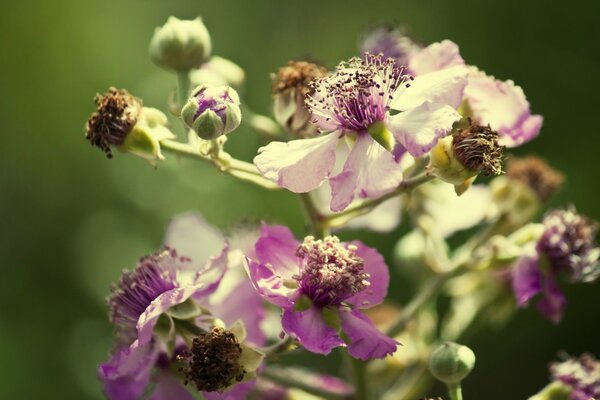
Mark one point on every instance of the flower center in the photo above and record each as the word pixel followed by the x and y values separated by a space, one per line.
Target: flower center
pixel 581 375
pixel 477 148
pixel 536 174
pixel 357 95
pixel 153 276
pixel 117 112
pixel 213 364
pixel 331 271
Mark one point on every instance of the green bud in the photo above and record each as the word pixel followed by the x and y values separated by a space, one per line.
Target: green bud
pixel 444 164
pixel 218 71
pixel 180 45
pixel 451 362
pixel 212 111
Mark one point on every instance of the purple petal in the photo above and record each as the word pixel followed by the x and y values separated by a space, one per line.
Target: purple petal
pixel 269 285
pixel 435 57
pixel 369 171
pixel 238 392
pixel 552 305
pixel 168 387
pixel 379 277
pixel 445 87
pixel 210 277
pixel 419 129
pixel 298 165
pixel 366 342
pixel 310 329
pixel 147 321
pixel 277 247
pixel 127 374
pixel 193 237
pixel 526 278
pixel 504 107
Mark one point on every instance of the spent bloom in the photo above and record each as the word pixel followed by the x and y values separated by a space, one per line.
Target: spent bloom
pixel 568 246
pixel 212 111
pixel 321 285
pixel 487 100
pixel 580 375
pixel 356 102
pixel 164 315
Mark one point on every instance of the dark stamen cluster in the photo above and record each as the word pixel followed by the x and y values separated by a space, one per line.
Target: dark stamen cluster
pixel 477 148
pixel 116 114
pixel 536 174
pixel 213 364
pixel 297 75
pixel 357 95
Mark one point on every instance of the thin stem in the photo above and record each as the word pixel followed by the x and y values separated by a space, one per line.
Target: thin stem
pixel 286 379
pixel 455 391
pixel 359 374
pixel 278 348
pixel 319 229
pixel 183 87
pixel 408 185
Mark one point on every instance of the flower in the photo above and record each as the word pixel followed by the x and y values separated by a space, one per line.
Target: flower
pixel 164 310
pixel 488 101
pixel 567 245
pixel 355 102
pixel 390 42
pixel 535 174
pixel 290 88
pixel 212 111
pixel 120 121
pixel 321 285
pixel 581 375
pixel 267 390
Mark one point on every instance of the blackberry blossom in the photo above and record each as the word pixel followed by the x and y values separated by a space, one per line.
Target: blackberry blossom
pixel 581 375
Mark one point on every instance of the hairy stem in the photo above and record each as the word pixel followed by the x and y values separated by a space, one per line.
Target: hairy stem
pixel 285 379
pixel 183 87
pixel 455 391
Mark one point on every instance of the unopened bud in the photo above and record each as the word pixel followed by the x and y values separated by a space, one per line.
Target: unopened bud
pixel 212 111
pixel 180 45
pixel 218 71
pixel 451 362
pixel 290 87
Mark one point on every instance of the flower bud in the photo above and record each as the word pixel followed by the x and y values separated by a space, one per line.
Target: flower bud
pixel 459 158
pixel 212 111
pixel 451 362
pixel 290 88
pixel 180 44
pixel 218 71
pixel 122 122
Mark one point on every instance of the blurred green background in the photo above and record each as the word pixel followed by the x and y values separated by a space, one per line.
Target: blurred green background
pixel 71 219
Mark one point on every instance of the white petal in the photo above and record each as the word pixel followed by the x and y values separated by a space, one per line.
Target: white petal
pixel 435 57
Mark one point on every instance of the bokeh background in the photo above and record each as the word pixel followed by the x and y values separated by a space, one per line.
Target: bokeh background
pixel 71 219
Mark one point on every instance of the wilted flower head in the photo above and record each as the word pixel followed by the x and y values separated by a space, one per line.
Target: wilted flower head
pixel 567 245
pixel 581 375
pixel 290 88
pixel 212 111
pixel 321 285
pixel 180 45
pixel 536 174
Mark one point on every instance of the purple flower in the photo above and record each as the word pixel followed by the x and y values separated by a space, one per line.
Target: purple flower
pixel 355 101
pixel 266 390
pixel 390 42
pixel 568 246
pixel 163 289
pixel 581 376
pixel 501 104
pixel 321 285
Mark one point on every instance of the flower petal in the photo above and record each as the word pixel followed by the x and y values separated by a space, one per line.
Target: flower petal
pixel 237 392
pixel 379 277
pixel 269 285
pixel 504 107
pixel 445 86
pixel 383 219
pixel 127 374
pixel 366 342
pixel 298 165
pixel 419 129
pixel 168 387
pixel 552 305
pixel 310 329
pixel 193 237
pixel 369 171
pixel 435 57
pixel 526 278
pixel 209 278
pixel 277 246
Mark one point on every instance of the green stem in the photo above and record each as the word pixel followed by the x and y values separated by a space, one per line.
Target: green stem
pixel 359 374
pixel 406 186
pixel 278 348
pixel 285 379
pixel 455 391
pixel 183 87
pixel 318 227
